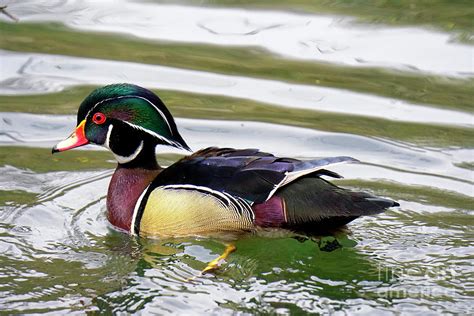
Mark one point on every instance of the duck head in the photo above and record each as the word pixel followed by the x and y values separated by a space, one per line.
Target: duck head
pixel 126 119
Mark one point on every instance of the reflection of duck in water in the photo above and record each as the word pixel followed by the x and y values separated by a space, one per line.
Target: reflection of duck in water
pixel 215 192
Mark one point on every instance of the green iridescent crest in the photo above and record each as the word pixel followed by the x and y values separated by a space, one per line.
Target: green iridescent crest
pixel 136 106
pixel 139 112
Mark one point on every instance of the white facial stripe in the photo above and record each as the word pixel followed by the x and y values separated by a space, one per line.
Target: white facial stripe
pixel 134 96
pixel 107 138
pixel 97 104
pixel 125 159
pixel 164 139
pixel 109 132
pixel 159 112
pixel 119 158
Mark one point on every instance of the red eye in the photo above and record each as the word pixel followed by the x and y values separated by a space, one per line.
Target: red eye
pixel 98 118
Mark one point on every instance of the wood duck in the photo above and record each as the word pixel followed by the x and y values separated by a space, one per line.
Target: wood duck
pixel 214 192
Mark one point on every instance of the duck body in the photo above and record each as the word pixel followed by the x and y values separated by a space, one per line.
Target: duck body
pixel 215 192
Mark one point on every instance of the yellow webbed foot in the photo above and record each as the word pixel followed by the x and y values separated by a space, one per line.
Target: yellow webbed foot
pixel 214 264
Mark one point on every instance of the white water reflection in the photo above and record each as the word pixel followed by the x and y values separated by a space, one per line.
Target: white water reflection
pixel 24 73
pixel 323 38
pixel 391 161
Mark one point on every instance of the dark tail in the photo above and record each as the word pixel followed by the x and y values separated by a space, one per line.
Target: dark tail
pixel 366 204
pixel 316 206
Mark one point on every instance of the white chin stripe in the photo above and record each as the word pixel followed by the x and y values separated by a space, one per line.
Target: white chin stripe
pixel 125 159
pixel 121 159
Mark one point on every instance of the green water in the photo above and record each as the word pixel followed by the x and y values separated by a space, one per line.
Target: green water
pixel 58 253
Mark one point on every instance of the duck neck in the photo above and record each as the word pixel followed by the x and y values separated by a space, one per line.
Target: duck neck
pixel 127 184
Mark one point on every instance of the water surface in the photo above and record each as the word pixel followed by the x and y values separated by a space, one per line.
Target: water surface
pixel 59 255
pixel 326 38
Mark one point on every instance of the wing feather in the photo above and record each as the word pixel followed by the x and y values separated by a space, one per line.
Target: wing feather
pixel 245 173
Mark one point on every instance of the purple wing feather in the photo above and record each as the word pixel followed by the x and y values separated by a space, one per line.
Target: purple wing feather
pixel 248 173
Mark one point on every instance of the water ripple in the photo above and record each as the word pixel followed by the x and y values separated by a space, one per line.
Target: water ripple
pixel 48 73
pixel 398 162
pixel 324 38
